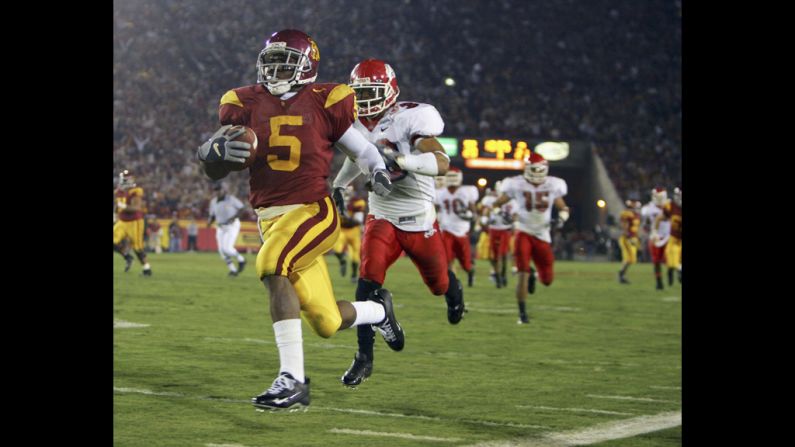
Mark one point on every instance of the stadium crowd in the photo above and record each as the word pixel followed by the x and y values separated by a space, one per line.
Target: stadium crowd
pixel 608 73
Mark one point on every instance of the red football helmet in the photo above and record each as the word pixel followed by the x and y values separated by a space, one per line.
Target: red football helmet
pixel 290 59
pixel 536 168
pixel 659 195
pixel 376 87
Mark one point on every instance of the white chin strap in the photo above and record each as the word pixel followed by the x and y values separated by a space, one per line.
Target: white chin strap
pixel 278 88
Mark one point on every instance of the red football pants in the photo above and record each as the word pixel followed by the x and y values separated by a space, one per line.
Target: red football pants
pixel 528 247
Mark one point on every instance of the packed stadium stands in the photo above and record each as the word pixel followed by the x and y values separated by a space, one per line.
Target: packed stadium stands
pixel 608 73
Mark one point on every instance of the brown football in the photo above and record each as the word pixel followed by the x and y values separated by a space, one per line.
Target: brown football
pixel 249 137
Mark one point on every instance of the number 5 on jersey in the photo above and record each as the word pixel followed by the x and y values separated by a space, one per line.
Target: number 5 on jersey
pixel 276 140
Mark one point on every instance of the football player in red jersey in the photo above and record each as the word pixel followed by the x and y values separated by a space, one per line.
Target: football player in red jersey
pixel 350 239
pixel 296 122
pixel 672 211
pixel 406 220
pixel 628 241
pixel 130 224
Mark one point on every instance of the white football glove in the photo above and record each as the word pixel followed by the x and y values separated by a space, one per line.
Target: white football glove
pixel 220 147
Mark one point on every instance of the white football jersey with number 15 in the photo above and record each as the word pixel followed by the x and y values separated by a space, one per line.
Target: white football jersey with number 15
pixel 535 203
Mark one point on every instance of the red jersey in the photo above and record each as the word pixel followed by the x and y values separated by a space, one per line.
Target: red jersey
pixel 125 196
pixel 674 212
pixel 632 219
pixel 355 205
pixel 295 138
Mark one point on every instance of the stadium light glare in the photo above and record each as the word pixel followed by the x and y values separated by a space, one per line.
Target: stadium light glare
pixel 449 82
pixel 482 182
pixel 601 203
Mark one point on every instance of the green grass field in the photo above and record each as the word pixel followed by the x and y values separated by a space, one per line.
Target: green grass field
pixel 596 352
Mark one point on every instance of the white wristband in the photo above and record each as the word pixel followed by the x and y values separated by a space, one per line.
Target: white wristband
pixel 424 163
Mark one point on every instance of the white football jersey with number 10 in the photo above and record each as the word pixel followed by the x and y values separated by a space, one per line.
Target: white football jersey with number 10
pixel 453 203
pixel 410 204
pixel 535 203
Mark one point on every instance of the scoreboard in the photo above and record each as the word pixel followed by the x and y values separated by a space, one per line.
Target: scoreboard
pixel 500 154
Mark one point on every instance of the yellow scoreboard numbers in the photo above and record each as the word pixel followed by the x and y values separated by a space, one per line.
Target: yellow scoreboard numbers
pixel 500 148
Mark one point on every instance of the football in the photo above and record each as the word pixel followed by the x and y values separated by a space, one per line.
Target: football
pixel 249 137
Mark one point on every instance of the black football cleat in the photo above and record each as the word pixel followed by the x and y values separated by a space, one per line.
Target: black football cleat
pixel 531 281
pixel 360 370
pixel 285 393
pixel 343 267
pixel 232 274
pixel 128 262
pixel 147 272
pixel 523 318
pixel 470 277
pixel 622 280
pixel 389 328
pixel 240 266
pixel 455 307
pixel 659 284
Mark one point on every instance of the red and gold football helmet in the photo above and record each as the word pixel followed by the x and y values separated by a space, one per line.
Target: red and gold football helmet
pixel 289 60
pixel 376 86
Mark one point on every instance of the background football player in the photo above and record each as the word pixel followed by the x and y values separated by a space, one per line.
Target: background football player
pixel 656 245
pixel 227 209
pixel 534 192
pixel 406 220
pixel 457 209
pixel 629 219
pixel 482 228
pixel 350 240
pixel 296 122
pixel 129 227
pixel 500 227
pixel 672 211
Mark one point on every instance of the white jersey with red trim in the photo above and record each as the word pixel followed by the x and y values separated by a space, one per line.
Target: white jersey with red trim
pixel 410 204
pixel 451 204
pixel 648 214
pixel 500 218
pixel 534 203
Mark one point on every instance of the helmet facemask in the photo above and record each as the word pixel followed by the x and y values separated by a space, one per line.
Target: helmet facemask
pixel 279 66
pixel 454 178
pixel 373 98
pixel 536 173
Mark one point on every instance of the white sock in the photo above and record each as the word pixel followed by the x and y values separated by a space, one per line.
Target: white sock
pixel 146 266
pixel 368 312
pixel 291 347
pixel 231 266
pixel 240 258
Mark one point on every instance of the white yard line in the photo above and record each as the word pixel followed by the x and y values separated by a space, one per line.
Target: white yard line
pixel 634 399
pixel 575 410
pixel 348 431
pixel 121 324
pixel 598 433
pixel 670 299
pixel 665 387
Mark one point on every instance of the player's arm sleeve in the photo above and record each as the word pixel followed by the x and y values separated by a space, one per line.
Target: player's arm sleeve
pixel 348 173
pixel 231 110
pixel 362 151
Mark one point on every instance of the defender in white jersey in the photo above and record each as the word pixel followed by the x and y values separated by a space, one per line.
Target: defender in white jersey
pixel 456 205
pixel 405 134
pixel 535 192
pixel 500 221
pixel 226 210
pixel 648 215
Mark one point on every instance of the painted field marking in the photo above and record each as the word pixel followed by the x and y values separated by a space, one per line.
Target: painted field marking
pixel 498 311
pixel 348 431
pixel 121 324
pixel 225 445
pixel 670 299
pixel 598 433
pixel 575 410
pixel 665 387
pixel 341 410
pixel 631 398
